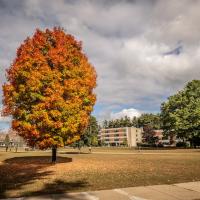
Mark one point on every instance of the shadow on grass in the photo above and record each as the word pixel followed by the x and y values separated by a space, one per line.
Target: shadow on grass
pixel 19 171
pixel 59 189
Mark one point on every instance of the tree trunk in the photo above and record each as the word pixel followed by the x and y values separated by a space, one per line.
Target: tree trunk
pixel 54 154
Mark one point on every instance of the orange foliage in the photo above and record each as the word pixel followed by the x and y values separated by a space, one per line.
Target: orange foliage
pixel 49 91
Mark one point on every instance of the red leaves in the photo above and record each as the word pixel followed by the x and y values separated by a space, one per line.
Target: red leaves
pixel 50 89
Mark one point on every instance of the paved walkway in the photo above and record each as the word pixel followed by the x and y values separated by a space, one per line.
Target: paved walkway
pixel 181 191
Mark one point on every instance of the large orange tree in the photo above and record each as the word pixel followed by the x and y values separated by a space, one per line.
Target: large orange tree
pixel 49 91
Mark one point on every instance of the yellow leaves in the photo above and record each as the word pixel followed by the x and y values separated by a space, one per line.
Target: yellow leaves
pixel 71 140
pixel 26 125
pixel 22 88
pixel 55 114
pixel 49 141
pixel 48 92
pixel 34 82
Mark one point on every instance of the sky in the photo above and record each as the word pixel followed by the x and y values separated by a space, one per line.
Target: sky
pixel 143 51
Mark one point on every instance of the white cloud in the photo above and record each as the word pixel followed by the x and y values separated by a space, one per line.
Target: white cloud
pixel 124 40
pixel 131 112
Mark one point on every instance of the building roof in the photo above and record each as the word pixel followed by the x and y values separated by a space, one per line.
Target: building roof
pixel 119 128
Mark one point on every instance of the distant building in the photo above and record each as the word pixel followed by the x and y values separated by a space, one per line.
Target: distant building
pixel 120 136
pixel 158 134
pixel 2 139
pixel 170 140
pixel 14 138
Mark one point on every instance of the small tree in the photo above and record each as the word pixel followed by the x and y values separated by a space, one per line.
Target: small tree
pixel 91 132
pixel 102 142
pixel 7 142
pixel 149 136
pixel 49 91
pixel 125 143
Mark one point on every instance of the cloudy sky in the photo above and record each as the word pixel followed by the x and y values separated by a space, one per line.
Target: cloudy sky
pixel 143 51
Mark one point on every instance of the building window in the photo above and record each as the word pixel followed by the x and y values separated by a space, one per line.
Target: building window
pixel 116 130
pixel 116 139
pixel 116 135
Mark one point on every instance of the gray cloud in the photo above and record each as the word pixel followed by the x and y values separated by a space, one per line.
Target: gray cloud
pixel 125 41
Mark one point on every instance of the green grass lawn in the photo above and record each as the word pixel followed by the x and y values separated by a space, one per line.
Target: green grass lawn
pixel 30 173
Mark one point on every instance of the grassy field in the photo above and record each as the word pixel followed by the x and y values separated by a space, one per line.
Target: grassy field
pixel 30 173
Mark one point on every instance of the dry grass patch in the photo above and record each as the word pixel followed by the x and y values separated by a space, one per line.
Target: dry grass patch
pixel 27 174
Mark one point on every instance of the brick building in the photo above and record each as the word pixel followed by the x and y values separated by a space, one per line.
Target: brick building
pixel 120 136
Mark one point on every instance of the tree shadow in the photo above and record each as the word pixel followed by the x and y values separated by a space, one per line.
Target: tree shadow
pixel 19 171
pixel 59 189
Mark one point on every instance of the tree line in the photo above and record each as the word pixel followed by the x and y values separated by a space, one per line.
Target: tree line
pixel 150 119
